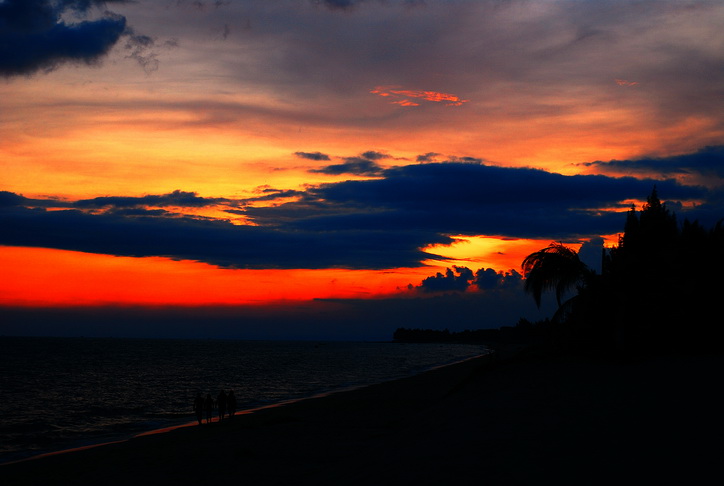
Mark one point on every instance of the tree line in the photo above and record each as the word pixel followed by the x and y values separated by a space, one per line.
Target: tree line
pixel 658 290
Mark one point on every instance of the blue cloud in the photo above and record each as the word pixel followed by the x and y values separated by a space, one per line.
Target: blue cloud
pixel 364 165
pixel 376 223
pixel 473 199
pixel 142 233
pixel 34 36
pixel 708 161
pixel 455 279
pixel 352 165
pixel 175 198
pixel 312 155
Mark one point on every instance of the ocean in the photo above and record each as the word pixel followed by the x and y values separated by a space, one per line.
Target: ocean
pixel 64 393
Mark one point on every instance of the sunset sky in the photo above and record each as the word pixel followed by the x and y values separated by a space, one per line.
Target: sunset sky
pixel 335 169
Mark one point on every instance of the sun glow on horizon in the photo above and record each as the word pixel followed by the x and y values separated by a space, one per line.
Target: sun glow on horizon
pixel 47 277
pixel 474 252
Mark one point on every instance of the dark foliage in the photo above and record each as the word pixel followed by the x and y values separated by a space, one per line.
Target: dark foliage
pixel 658 290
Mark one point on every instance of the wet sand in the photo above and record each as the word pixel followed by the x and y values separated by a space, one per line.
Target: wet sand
pixel 511 420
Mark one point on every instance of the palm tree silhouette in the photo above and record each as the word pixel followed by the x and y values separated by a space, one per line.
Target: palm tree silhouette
pixel 556 267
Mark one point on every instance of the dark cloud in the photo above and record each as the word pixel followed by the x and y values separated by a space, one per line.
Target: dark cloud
pixel 705 165
pixel 34 34
pixel 8 199
pixel 473 199
pixel 365 165
pixel 312 155
pixel 340 4
pixel 176 198
pixel 270 194
pixel 139 48
pixel 489 279
pixel 212 241
pixel 455 279
pixel 376 223
pixel 352 165
pixel 460 279
pixel 203 4
pixel 591 253
pixel 428 157
pixel 372 155
pixel 350 4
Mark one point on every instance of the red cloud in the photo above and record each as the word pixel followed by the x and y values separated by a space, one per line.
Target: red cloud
pixel 623 82
pixel 402 96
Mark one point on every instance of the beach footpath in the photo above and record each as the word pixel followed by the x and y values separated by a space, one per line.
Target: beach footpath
pixel 494 420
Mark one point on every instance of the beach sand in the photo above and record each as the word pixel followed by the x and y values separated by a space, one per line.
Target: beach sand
pixel 506 421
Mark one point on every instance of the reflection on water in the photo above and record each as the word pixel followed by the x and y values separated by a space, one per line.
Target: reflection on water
pixel 67 392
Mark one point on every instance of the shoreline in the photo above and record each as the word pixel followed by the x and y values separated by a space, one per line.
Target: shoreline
pixel 193 423
pixel 556 420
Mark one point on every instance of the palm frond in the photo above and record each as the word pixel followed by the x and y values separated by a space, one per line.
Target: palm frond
pixel 556 267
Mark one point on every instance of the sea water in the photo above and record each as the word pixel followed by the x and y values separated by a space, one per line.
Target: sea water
pixel 62 393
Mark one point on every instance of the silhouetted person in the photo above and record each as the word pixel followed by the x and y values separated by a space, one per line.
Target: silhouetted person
pixel 221 403
pixel 208 407
pixel 199 407
pixel 231 403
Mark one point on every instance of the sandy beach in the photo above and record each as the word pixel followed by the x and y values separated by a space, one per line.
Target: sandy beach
pixel 511 420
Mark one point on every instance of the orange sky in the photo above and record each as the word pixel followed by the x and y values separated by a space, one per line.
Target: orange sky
pixel 220 99
pixel 56 277
pixel 47 277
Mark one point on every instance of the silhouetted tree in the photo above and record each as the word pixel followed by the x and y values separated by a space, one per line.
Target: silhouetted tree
pixel 556 267
pixel 658 289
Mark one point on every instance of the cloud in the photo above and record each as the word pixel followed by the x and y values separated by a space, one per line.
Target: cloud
pixel 489 279
pixel 176 198
pixel 402 96
pixel 8 199
pixel 268 194
pixel 474 199
pixel 373 155
pixel 705 166
pixel 624 82
pixel 461 279
pixel 373 223
pixel 428 157
pixel 364 165
pixel 312 155
pixel 139 48
pixel 591 253
pixel 350 4
pixel 34 34
pixel 216 242
pixel 352 165
pixel 528 72
pixel 528 69
pixel 455 279
pixel 340 4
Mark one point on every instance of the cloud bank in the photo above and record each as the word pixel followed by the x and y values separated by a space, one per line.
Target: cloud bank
pixel 460 279
pixel 377 223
